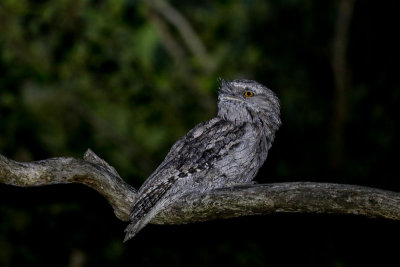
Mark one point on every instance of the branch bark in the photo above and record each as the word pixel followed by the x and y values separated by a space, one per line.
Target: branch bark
pixel 254 199
pixel 91 171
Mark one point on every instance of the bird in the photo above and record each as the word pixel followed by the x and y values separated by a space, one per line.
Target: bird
pixel 224 151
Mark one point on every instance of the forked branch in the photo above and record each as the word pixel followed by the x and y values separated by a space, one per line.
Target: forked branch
pixel 301 197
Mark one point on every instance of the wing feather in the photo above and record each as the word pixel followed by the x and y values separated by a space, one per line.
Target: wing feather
pixel 193 153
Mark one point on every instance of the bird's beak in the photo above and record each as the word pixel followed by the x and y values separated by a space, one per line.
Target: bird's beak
pixel 229 98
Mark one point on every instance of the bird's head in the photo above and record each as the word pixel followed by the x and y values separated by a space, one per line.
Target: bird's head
pixel 242 101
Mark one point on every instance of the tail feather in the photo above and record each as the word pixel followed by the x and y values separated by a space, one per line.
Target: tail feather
pixel 137 224
pixel 132 229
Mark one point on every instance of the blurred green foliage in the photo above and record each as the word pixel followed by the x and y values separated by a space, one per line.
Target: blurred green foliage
pixel 119 77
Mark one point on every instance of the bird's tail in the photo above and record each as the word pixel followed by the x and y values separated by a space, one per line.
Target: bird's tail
pixel 137 224
pixel 132 229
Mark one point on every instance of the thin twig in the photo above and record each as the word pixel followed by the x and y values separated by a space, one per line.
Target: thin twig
pixel 189 36
pixel 341 79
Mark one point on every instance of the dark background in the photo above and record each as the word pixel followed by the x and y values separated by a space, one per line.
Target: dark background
pixel 128 78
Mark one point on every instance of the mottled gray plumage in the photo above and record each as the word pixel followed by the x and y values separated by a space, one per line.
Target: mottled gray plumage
pixel 224 151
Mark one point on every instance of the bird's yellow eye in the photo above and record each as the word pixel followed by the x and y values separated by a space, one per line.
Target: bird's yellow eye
pixel 248 94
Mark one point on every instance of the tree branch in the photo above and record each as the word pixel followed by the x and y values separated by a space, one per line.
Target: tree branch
pixel 341 79
pixel 174 48
pixel 189 36
pixel 254 199
pixel 296 197
pixel 91 171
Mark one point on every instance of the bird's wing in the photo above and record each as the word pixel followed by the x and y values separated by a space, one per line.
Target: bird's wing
pixel 182 150
pixel 193 153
